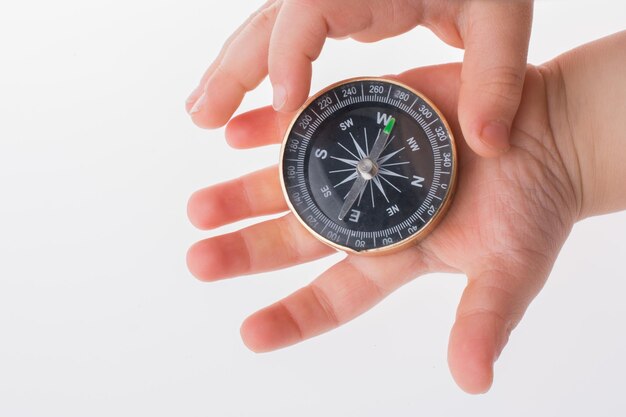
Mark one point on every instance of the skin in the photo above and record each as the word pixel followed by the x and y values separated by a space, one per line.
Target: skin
pixel 504 230
pixel 284 37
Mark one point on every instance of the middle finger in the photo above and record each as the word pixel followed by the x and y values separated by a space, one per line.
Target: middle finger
pixel 265 246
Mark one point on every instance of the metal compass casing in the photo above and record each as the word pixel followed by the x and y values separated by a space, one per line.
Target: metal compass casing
pixel 368 165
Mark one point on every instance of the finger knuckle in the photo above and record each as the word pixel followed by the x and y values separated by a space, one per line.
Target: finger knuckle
pixel 323 300
pixel 266 16
pixel 503 83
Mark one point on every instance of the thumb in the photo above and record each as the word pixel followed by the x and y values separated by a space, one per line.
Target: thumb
pixel 492 305
pixel 496 35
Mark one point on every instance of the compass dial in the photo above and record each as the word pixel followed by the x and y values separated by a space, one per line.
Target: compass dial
pixel 368 165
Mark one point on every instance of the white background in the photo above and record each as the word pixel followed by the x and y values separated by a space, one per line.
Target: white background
pixel 98 313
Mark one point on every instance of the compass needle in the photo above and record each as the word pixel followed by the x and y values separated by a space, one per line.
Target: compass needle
pixel 352 196
pixel 328 162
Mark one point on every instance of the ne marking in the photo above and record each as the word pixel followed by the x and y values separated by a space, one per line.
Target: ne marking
pixel 316 115
pixel 301 135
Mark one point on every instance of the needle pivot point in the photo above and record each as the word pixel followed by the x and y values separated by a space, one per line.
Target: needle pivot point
pixel 367 168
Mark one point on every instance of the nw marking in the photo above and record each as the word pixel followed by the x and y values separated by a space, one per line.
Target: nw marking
pixel 413 144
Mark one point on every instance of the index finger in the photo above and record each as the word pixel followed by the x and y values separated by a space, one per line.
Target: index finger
pixel 240 67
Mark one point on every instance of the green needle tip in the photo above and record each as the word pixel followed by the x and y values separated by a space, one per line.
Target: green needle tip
pixel 389 126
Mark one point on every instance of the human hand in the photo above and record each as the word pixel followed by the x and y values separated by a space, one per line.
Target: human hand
pixel 504 229
pixel 284 36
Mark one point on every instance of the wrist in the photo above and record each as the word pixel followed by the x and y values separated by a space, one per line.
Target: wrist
pixel 585 98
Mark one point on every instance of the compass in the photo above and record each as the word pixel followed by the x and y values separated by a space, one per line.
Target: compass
pixel 368 165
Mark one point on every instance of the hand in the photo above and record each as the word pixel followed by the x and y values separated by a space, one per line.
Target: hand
pixel 285 36
pixel 504 230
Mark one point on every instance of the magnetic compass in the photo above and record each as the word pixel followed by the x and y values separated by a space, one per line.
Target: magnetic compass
pixel 368 165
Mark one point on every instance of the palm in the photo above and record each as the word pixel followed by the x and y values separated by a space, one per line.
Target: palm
pixel 504 229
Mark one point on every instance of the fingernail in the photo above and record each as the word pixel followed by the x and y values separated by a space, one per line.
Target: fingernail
pixel 495 135
pixel 197 106
pixel 192 97
pixel 280 97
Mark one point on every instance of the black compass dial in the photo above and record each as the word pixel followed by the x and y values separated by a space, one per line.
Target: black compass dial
pixel 368 164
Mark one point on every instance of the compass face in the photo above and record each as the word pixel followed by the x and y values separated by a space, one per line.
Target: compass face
pixel 368 165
